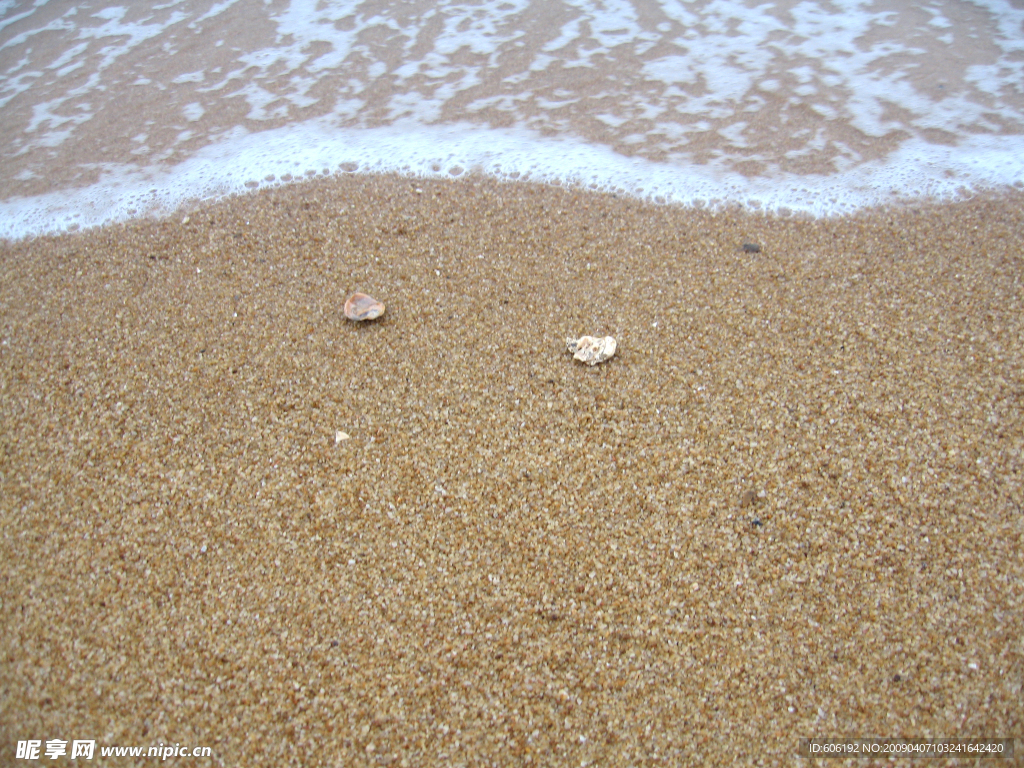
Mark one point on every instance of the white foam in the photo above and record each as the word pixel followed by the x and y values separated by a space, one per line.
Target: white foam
pixel 242 162
pixel 849 85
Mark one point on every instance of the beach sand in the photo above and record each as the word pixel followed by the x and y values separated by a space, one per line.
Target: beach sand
pixel 789 507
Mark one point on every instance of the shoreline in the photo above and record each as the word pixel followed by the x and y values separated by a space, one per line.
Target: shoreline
pixel 134 198
pixel 790 506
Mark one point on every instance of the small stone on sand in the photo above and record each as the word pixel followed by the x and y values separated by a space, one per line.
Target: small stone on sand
pixel 362 307
pixel 591 349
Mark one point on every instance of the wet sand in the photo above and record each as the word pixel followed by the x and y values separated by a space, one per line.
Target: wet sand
pixel 790 507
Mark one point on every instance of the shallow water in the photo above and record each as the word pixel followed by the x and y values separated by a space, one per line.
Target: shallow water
pixel 111 111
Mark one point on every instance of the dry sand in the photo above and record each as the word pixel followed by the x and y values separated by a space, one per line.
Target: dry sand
pixel 791 506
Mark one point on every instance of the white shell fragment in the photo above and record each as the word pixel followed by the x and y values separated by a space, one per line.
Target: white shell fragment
pixel 362 307
pixel 590 349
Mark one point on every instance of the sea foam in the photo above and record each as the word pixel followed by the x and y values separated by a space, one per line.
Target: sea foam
pixel 807 106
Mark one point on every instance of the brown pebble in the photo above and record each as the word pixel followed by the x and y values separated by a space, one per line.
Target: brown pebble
pixel 748 497
pixel 362 307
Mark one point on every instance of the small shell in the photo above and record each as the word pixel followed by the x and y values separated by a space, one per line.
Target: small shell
pixel 362 307
pixel 590 349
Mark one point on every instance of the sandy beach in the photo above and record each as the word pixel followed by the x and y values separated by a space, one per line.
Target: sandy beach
pixel 789 507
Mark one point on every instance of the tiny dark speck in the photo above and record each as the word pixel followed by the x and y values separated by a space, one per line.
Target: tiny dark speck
pixel 896 678
pixel 334 643
pixel 756 522
pixel 751 248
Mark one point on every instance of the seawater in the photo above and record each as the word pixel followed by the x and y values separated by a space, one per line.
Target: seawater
pixel 112 110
